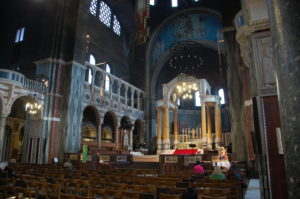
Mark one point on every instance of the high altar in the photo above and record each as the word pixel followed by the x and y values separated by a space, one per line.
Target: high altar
pixel 183 86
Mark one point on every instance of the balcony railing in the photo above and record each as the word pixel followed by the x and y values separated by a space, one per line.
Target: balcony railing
pixel 20 80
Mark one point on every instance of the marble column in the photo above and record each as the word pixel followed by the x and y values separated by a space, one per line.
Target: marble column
pixel 158 119
pixel 285 26
pixel 138 102
pixel 132 99
pixel 126 97
pixel 175 129
pixel 2 132
pixel 166 132
pixel 218 129
pixel 203 124
pixel 119 95
pixel 209 133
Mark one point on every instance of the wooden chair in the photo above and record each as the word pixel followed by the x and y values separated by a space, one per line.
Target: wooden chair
pixel 117 186
pixel 54 191
pixel 67 196
pixel 212 197
pixel 216 192
pixel 84 197
pixel 112 194
pixel 148 189
pixel 130 195
pixel 179 190
pixel 83 188
pixel 71 186
pixel 42 190
pixel 10 191
pixel 98 193
pixel 167 196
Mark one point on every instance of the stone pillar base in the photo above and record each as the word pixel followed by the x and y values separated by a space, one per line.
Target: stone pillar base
pixel 175 144
pixel 204 142
pixel 209 144
pixel 166 144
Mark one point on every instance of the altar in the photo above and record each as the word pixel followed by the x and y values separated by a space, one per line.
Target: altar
pixel 194 137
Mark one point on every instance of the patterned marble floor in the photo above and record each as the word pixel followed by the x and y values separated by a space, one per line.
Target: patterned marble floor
pixel 253 191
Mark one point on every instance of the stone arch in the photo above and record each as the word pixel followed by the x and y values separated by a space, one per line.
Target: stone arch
pixel 123 93
pixel 108 128
pixel 99 78
pixel 125 132
pixel 129 92
pixel 135 98
pixel 138 135
pixel 20 118
pixel 7 142
pixel 90 123
pixel 115 86
pixel 89 74
pixel 159 51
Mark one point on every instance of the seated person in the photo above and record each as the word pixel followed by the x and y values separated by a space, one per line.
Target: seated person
pixel 234 173
pixel 217 174
pixel 68 164
pixel 198 169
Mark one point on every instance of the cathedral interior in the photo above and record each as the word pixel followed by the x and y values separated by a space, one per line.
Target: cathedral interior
pixel 113 83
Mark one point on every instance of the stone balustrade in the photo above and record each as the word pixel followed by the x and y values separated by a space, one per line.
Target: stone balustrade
pixel 120 95
pixel 10 76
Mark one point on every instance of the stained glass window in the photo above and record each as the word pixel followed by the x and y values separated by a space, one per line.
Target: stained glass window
pixel 116 26
pixel 93 7
pixel 105 14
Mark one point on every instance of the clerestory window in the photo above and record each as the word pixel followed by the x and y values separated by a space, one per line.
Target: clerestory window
pixel 105 15
pixel 221 94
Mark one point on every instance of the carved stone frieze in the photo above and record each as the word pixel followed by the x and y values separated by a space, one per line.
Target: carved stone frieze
pixel 264 63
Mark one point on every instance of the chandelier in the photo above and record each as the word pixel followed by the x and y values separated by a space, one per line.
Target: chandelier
pixel 186 56
pixel 33 108
pixel 185 89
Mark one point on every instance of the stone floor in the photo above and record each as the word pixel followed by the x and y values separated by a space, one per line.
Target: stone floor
pixel 253 190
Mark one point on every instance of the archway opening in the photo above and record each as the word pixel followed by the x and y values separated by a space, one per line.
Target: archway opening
pixel 138 136
pixel 22 122
pixel 90 123
pixel 126 134
pixel 108 128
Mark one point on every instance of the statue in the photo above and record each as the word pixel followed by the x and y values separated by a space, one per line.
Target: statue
pixel 223 154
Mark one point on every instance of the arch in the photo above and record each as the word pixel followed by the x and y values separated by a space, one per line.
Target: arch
pixel 7 142
pixel 108 127
pixel 129 96
pixel 21 122
pixel 115 86
pixel 92 59
pixel 125 122
pixel 123 93
pixel 90 125
pixel 141 101
pixel 138 135
pixel 98 78
pixel 135 98
pixel 125 132
pixel 158 52
pixel 89 75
